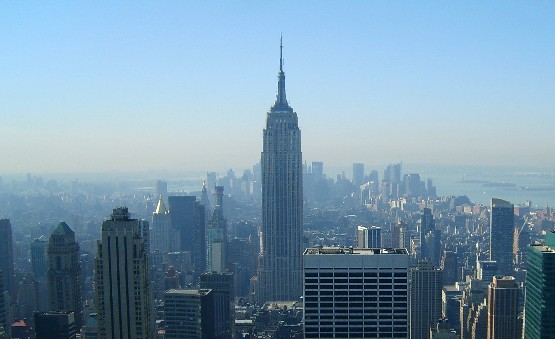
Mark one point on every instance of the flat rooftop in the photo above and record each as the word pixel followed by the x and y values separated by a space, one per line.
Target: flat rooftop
pixel 361 251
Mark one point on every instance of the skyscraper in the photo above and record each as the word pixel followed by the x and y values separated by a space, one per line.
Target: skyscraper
pixel 358 174
pixel 426 284
pixel 222 288
pixel 6 255
pixel 39 265
pixel 428 235
pixel 189 314
pixel 216 236
pixel 123 296
pixel 503 308
pixel 280 265
pixel 539 321
pixel 501 230
pixel 64 273
pixel 162 236
pixel 55 325
pixel 356 293
pixel 369 237
pixel 188 221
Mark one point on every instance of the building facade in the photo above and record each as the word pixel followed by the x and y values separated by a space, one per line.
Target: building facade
pixel 501 231
pixel 539 321
pixel 426 283
pixel 64 273
pixel 6 255
pixel 162 235
pixel 222 286
pixel 123 295
pixel 369 237
pixel 280 262
pixel 356 293
pixel 189 314
pixel 503 308
pixel 188 223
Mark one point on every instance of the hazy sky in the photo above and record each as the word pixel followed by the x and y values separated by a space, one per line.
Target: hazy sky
pixel 178 85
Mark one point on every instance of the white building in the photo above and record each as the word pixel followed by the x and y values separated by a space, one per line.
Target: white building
pixel 356 293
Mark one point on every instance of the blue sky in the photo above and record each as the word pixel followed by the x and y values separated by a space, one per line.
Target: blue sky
pixel 177 85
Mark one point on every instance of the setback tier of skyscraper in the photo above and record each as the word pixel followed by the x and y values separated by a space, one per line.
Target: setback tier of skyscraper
pixel 280 265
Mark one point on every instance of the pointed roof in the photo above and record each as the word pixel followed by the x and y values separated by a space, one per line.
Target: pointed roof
pixel 63 229
pixel 281 104
pixel 161 208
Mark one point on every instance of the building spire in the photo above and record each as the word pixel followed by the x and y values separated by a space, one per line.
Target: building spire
pixel 281 104
pixel 281 53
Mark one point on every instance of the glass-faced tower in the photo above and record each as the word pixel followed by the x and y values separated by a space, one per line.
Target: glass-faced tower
pixel 280 266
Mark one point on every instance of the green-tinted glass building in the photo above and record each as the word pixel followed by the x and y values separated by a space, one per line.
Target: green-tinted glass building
pixel 540 290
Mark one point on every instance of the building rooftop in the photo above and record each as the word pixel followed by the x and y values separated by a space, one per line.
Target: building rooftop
pixel 189 291
pixel 362 251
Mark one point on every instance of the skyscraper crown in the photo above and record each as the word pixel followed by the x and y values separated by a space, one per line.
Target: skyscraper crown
pixel 281 104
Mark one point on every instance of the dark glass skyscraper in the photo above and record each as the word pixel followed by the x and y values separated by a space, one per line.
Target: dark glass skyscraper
pixel 501 231
pixel 280 266
pixel 6 255
pixel 539 321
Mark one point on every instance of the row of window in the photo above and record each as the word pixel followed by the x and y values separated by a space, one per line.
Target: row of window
pixel 356 305
pixel 344 274
pixel 356 298
pixel 356 316
pixel 354 280
pixel 397 292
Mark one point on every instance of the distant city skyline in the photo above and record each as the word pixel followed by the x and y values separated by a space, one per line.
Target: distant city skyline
pixel 376 82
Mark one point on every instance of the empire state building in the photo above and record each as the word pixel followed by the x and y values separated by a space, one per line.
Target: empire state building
pixel 280 262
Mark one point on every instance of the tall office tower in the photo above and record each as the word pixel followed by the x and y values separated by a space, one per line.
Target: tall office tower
pixel 318 170
pixel 27 297
pixel 426 283
pixel 486 269
pixel 449 265
pixel 503 308
pixel 216 236
pixel 6 255
pixel 427 228
pixel 222 288
pixel 358 174
pixel 161 189
pixel 162 235
pixel 539 321
pixel 205 202
pixel 64 273
pixel 39 266
pixel 55 325
pixel 400 235
pixel 369 237
pixel 501 230
pixel 188 221
pixel 280 265
pixel 189 314
pixel 356 293
pixel 123 297
pixel 4 324
pixel 39 258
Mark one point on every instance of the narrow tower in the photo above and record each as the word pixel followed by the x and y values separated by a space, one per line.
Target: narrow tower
pixel 280 262
pixel 64 273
